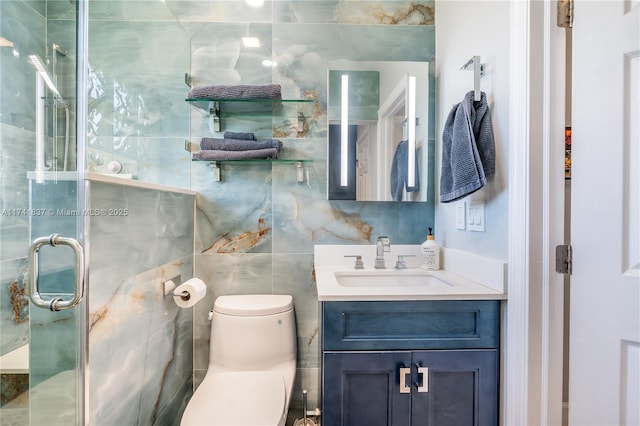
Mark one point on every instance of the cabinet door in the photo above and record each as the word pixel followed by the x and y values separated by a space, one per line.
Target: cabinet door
pixel 363 389
pixel 461 388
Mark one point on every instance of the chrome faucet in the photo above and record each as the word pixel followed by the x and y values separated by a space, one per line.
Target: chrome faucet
pixel 382 245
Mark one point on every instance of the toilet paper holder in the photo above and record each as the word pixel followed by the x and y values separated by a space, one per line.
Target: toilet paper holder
pixel 169 287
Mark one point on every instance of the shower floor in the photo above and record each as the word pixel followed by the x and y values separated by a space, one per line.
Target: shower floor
pixel 16 411
pixel 54 397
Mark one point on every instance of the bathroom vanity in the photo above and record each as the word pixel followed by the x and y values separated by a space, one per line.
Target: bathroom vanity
pixel 410 362
pixel 397 352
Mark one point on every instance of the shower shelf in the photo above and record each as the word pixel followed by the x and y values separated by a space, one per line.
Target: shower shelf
pixel 245 105
pixel 226 108
pixel 256 160
pixel 217 166
pixel 218 109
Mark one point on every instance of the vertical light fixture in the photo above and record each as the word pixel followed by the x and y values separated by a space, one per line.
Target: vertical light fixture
pixel 411 128
pixel 42 77
pixel 344 131
pixel 37 63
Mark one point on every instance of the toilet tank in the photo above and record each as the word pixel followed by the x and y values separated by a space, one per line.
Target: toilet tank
pixel 252 332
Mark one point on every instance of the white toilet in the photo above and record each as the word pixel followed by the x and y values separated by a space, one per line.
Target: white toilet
pixel 252 363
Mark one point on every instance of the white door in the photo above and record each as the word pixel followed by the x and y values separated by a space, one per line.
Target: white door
pixel 604 366
pixel 363 191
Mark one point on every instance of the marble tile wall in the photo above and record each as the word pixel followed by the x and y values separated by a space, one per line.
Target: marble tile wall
pixel 140 342
pixel 137 115
pixel 15 158
pixel 19 21
pixel 26 30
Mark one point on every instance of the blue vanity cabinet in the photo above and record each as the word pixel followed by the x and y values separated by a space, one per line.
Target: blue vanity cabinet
pixel 362 388
pixel 410 363
pixel 461 388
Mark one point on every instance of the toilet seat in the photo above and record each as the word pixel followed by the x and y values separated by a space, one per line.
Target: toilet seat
pixel 245 398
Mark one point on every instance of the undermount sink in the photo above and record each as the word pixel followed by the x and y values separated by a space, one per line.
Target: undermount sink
pixel 390 278
pixel 337 278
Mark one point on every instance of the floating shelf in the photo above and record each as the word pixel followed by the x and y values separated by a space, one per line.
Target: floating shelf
pixel 225 108
pixel 217 166
pixel 231 107
pixel 256 160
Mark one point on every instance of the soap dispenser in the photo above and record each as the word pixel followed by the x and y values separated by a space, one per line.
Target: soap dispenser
pixel 430 253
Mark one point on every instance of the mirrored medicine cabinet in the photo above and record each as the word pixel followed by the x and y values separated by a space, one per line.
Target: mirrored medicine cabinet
pixel 378 130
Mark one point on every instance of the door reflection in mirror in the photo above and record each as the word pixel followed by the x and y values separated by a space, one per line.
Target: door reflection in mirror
pixel 376 139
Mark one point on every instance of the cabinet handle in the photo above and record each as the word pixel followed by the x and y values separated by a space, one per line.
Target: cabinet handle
pixel 404 371
pixel 424 372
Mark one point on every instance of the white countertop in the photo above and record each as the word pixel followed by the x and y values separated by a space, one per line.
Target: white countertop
pixel 487 284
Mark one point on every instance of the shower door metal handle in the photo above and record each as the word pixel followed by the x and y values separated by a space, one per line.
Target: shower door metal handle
pixel 55 304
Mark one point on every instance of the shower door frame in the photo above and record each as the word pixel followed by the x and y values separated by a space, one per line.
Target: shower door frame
pixel 82 72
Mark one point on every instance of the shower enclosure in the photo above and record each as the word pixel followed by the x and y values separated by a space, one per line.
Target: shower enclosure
pixel 42 211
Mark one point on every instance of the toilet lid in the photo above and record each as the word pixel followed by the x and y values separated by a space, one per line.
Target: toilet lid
pixel 250 305
pixel 238 398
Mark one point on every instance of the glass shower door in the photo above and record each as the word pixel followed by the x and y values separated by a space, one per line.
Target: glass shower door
pixel 42 212
pixel 56 289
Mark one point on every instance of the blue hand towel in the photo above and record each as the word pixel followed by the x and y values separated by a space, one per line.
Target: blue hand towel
pixel 468 149
pixel 399 172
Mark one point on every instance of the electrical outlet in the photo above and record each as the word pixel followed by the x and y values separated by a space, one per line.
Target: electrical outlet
pixel 461 223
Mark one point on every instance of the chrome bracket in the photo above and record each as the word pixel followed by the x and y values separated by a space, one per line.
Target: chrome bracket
pixel 214 112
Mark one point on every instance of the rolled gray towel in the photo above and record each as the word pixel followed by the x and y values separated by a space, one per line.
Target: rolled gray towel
pixel 247 136
pixel 236 91
pixel 238 144
pixel 220 155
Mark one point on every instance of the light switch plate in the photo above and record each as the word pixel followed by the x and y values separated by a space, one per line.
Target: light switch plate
pixel 461 222
pixel 476 216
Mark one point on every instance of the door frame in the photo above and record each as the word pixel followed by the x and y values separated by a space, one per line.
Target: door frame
pixel 533 362
pixel 390 108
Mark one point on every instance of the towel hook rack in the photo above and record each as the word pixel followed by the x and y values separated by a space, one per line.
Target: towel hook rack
pixel 474 64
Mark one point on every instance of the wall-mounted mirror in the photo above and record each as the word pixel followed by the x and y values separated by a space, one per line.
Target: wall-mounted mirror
pixel 378 135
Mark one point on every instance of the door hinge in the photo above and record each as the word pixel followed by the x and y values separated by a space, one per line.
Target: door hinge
pixel 564 259
pixel 565 13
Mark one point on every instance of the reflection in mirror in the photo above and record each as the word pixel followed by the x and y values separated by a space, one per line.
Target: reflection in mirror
pixel 378 116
